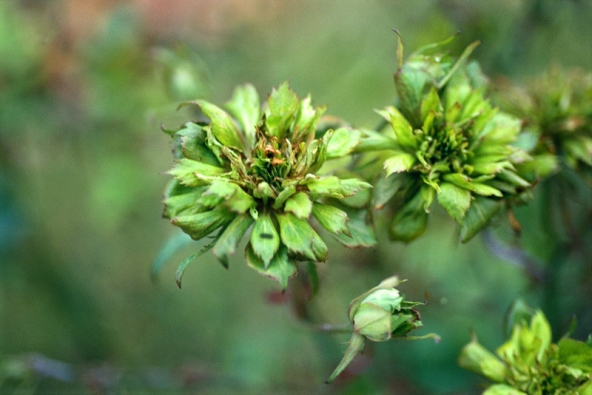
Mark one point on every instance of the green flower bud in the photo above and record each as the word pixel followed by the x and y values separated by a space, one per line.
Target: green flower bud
pixel 256 167
pixel 557 107
pixel 380 314
pixel 448 144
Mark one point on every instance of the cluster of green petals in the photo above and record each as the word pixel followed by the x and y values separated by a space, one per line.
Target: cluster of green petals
pixel 557 108
pixel 530 364
pixel 380 314
pixel 256 167
pixel 447 143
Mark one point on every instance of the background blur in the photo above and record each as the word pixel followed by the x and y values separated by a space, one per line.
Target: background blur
pixel 84 88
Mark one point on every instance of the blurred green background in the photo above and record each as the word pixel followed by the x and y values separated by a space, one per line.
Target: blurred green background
pixel 84 88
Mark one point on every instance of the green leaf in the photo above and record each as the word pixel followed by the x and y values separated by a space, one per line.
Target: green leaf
pixel 306 120
pixel 245 107
pixel 343 142
pixel 280 269
pixel 331 218
pixel 222 126
pixel 283 105
pixel 185 171
pixel 399 162
pixel 265 240
pixel 410 221
pixel 300 205
pixel 301 238
pixel 455 200
pixel 232 235
pixel 360 227
pixel 200 225
pixel 460 180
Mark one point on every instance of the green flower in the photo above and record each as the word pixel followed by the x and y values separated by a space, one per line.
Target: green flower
pixel 380 314
pixel 528 363
pixel 557 108
pixel 258 169
pixel 447 143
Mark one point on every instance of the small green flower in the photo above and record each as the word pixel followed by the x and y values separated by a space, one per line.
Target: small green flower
pixel 528 363
pixel 380 314
pixel 447 143
pixel 258 169
pixel 557 108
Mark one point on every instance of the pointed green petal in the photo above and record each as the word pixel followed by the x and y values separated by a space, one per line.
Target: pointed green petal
pixel 245 107
pixel 280 269
pixel 265 240
pixel 481 211
pixel 455 200
pixel 301 238
pixel 331 218
pixel 300 205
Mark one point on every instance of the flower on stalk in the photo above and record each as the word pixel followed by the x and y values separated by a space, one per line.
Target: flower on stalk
pixel 556 107
pixel 380 314
pixel 448 144
pixel 529 364
pixel 259 169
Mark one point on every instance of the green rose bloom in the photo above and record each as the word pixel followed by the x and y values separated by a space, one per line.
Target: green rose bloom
pixel 447 143
pixel 257 168
pixel 529 363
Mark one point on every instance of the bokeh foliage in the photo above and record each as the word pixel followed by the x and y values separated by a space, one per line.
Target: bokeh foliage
pixel 83 91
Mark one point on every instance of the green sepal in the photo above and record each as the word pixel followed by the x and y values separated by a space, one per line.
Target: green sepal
pixel 411 84
pixel 283 196
pixel 334 187
pixel 575 354
pixel 385 188
pixel 183 265
pixel 265 240
pixel 232 235
pixel 355 346
pixel 280 269
pixel 301 238
pixel 478 216
pixel 173 245
pixel 191 142
pixel 200 225
pixel 245 107
pixel 331 218
pixel 410 221
pixel 300 205
pixel 403 129
pixel 455 200
pixel 478 359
